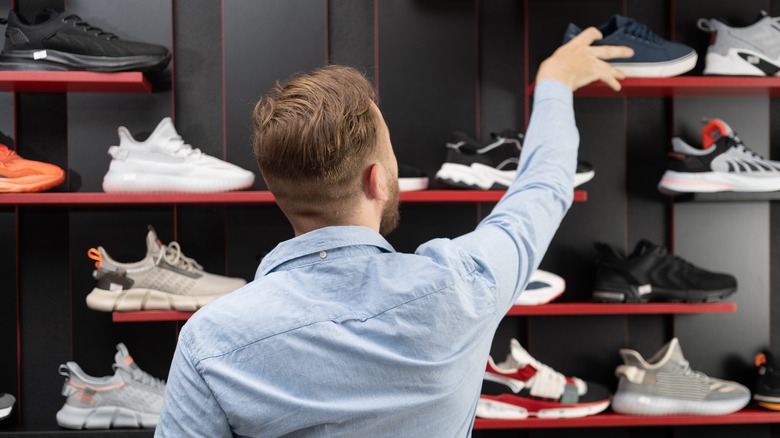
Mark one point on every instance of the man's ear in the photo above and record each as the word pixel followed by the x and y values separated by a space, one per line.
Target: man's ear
pixel 374 182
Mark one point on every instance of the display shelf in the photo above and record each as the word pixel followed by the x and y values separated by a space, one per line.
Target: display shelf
pixel 621 309
pixel 246 197
pixel 546 309
pixel 728 197
pixel 73 81
pixel 685 86
pixel 750 415
pixel 150 316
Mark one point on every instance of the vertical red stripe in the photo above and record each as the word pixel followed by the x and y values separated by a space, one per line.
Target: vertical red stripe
pixel 376 50
pixel 477 96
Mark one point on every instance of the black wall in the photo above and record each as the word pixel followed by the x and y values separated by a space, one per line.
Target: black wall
pixel 439 66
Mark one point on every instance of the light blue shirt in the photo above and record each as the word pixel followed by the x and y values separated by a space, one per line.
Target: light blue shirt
pixel 341 336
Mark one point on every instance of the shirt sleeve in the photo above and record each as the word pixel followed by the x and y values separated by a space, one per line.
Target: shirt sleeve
pixel 190 408
pixel 509 243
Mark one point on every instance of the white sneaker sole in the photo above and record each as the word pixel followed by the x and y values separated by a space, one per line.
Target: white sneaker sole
pixel 475 176
pixel 647 405
pixel 104 417
pixel 132 300
pixel 583 177
pixel 665 69
pixel 491 409
pixel 127 181
pixel 673 182
pixel 734 65
pixel 412 184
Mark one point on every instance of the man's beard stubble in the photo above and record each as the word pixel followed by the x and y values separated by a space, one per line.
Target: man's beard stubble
pixel 391 214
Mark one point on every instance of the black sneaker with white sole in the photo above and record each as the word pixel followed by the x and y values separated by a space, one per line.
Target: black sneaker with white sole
pixel 650 273
pixel 490 166
pixel 767 390
pixel 63 41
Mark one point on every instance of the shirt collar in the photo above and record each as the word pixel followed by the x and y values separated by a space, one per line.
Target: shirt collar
pixel 322 239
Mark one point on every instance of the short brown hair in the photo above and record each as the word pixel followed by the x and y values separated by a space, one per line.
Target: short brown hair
pixel 313 135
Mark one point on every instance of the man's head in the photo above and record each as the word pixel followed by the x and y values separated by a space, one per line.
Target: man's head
pixel 324 151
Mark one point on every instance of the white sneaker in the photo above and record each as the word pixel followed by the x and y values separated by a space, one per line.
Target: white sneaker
pixel 164 280
pixel 165 163
pixel 752 50
pixel 542 288
pixel 129 398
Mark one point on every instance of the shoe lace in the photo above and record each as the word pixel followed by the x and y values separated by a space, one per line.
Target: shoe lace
pixel 173 255
pixel 547 382
pixel 641 31
pixel 181 149
pixel 147 379
pixel 687 371
pixel 77 21
pixel 744 150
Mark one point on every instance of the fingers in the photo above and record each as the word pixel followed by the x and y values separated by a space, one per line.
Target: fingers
pixel 612 52
pixel 586 37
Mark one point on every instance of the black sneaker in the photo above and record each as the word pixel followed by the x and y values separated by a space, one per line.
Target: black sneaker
pixel 650 273
pixel 411 179
pixel 767 390
pixel 491 166
pixel 63 41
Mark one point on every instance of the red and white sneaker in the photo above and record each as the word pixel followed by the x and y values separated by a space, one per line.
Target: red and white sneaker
pixel 521 387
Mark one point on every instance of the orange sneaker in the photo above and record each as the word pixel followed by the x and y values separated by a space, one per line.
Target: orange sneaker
pixel 20 175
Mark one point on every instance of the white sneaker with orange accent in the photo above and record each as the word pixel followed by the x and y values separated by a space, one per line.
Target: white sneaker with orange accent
pixel 130 398
pixel 165 279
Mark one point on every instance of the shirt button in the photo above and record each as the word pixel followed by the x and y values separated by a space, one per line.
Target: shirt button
pixel 323 254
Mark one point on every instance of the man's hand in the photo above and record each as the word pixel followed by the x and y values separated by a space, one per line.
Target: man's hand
pixel 577 63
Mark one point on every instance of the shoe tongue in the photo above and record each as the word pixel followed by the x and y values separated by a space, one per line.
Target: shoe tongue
pixel 614 23
pixel 644 246
pixel 153 244
pixel 45 15
pixel 671 352
pixel 123 361
pixel 518 355
pixel 164 130
pixel 712 131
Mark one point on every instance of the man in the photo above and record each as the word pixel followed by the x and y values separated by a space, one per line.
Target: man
pixel 339 335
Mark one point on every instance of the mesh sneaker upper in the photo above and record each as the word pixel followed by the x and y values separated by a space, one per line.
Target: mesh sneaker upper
pixel 667 374
pixel 69 33
pixel 651 264
pixel 763 36
pixel 129 387
pixel 165 268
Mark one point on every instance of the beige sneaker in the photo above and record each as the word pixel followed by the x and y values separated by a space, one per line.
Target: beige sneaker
pixel 164 280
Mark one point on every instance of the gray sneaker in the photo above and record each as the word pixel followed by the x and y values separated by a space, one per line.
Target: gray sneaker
pixel 743 51
pixel 6 405
pixel 164 280
pixel 129 398
pixel 666 385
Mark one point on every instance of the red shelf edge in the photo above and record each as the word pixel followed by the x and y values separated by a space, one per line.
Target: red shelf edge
pixel 621 309
pixel 74 81
pixel 245 197
pixel 151 315
pixel 546 309
pixel 750 415
pixel 683 85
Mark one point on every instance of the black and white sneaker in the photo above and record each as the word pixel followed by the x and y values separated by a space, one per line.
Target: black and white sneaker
pixel 767 389
pixel 63 41
pixel 722 164
pixel 650 273
pixel 411 179
pixel 6 405
pixel 743 51
pixel 470 165
pixel 491 166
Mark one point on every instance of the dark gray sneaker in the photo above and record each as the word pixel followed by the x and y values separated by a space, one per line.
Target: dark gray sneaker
pixel 63 41
pixel 666 385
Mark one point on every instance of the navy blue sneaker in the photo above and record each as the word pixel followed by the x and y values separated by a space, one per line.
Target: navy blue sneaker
pixel 654 57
